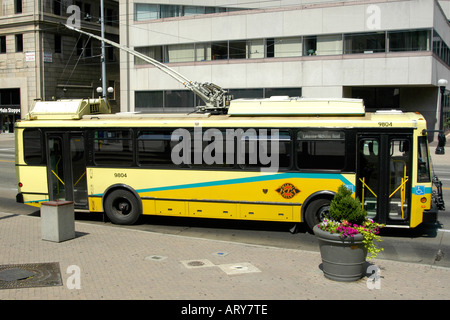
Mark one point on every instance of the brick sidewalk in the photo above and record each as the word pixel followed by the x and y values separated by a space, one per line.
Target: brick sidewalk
pixel 119 263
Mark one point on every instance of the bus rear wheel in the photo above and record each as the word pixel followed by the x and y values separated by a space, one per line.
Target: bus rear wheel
pixel 316 212
pixel 122 207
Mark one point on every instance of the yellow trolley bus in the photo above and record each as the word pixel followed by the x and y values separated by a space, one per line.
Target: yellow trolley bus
pixel 277 159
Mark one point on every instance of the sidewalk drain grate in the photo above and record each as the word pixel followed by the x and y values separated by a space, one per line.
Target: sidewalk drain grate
pixel 14 276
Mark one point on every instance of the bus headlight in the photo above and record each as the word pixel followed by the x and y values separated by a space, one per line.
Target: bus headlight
pixel 423 199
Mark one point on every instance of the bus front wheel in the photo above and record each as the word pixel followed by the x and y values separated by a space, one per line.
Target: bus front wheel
pixel 122 207
pixel 316 212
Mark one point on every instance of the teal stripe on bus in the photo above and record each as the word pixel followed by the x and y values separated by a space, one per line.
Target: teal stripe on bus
pixel 268 177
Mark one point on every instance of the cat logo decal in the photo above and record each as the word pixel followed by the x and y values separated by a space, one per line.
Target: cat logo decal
pixel 287 190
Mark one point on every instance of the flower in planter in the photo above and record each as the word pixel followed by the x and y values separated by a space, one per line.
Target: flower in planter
pixel 348 218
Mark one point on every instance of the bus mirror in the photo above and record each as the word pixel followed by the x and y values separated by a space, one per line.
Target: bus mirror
pixel 441 144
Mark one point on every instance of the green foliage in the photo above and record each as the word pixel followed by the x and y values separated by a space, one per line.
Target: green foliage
pixel 345 207
pixel 348 218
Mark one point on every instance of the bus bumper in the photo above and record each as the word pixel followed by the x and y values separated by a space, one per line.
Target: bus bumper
pixel 19 197
pixel 431 216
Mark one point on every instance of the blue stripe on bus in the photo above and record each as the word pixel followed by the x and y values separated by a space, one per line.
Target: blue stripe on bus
pixel 252 179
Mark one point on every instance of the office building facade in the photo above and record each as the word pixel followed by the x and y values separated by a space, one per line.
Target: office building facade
pixel 41 60
pixel 390 53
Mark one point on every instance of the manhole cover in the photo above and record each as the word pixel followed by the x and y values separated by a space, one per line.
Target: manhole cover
pixel 195 264
pixel 200 263
pixel 30 275
pixel 15 274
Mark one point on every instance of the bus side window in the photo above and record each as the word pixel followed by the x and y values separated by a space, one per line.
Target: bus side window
pixel 321 150
pixel 113 147
pixel 33 147
pixel 154 148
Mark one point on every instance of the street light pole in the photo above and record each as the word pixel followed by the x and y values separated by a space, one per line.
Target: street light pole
pixel 102 23
pixel 442 83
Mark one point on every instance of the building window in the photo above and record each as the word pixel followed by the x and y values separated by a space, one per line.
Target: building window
pixel 2 44
pixel 58 43
pixel 219 50
pixel 409 40
pixel 18 6
pixel 440 48
pixel 57 7
pixel 287 47
pixel 152 52
pixel 170 11
pixel 376 98
pixel 19 42
pixel 88 48
pixel 84 47
pixel 144 11
pixel 87 12
pixel 149 100
pixel 371 42
pixel 255 49
pixel 181 100
pixel 237 49
pixel 179 53
pixel 328 45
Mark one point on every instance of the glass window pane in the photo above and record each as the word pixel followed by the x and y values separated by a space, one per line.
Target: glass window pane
pixel 202 51
pixel 328 45
pixel 143 11
pixel 113 147
pixel 288 47
pixel 321 150
pixel 365 43
pixel 181 53
pixel 423 162
pixel 154 148
pixel 237 49
pixel 169 11
pixel 291 92
pixel 178 99
pixel 247 93
pixel 219 50
pixel 155 52
pixel 149 101
pixel 193 10
pixel 32 147
pixel 255 49
pixel 409 40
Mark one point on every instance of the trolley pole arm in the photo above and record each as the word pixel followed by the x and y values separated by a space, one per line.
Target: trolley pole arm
pixel 213 96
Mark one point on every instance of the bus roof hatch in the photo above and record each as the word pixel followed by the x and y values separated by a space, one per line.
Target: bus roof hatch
pixel 296 106
pixel 68 109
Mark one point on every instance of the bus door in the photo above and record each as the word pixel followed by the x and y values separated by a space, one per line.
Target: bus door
pixel 67 168
pixel 384 177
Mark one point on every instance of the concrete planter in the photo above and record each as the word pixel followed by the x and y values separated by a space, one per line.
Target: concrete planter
pixel 343 259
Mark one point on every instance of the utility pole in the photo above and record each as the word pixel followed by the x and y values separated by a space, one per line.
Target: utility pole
pixel 102 23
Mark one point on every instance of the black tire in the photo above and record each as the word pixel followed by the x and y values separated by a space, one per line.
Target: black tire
pixel 122 207
pixel 316 212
